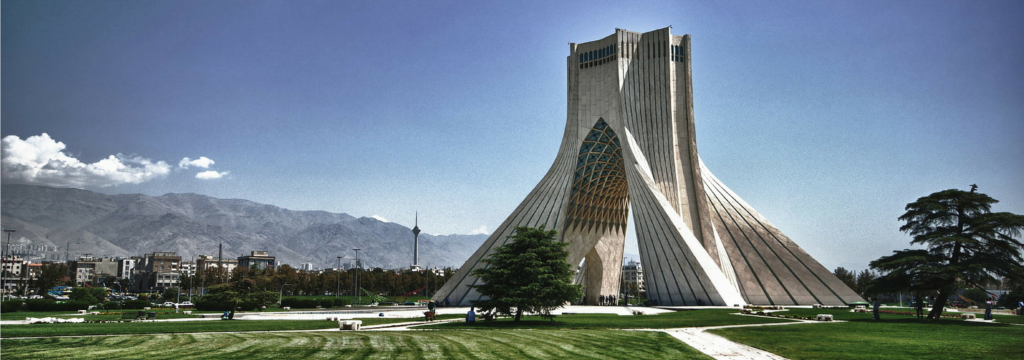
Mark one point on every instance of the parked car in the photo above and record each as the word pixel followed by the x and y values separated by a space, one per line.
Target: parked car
pixel 168 304
pixel 185 304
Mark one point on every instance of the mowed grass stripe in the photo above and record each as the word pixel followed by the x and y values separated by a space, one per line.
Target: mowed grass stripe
pixel 498 345
pixel 885 339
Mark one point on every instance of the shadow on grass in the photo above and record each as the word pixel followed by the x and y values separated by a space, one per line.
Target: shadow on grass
pixel 679 319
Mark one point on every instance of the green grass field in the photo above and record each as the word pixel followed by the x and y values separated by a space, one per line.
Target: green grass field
pixel 30 330
pixel 515 344
pixel 711 317
pixel 894 337
pixel 569 336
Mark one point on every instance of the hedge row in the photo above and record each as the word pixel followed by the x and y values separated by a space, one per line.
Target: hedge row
pixel 11 305
pixel 306 303
pixel 50 305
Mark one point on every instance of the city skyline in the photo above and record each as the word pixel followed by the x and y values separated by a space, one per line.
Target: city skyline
pixel 845 112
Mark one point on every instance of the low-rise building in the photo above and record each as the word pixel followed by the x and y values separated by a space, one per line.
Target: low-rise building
pixel 92 271
pixel 257 260
pixel 212 262
pixel 633 277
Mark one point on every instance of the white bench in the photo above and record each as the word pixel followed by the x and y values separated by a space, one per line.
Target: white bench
pixel 349 324
pixel 824 317
pixel 967 316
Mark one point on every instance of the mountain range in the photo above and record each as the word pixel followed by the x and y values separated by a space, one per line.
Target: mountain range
pixel 51 223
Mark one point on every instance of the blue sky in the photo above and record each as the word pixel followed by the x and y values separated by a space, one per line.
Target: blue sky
pixel 826 116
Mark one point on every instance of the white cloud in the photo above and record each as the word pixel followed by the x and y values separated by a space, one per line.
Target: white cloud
pixel 210 174
pixel 202 161
pixel 381 218
pixel 480 230
pixel 41 160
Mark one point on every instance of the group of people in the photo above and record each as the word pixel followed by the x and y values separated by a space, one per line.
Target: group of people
pixel 608 300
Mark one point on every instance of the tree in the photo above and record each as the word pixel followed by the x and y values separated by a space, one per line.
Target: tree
pixel 170 294
pixel 966 244
pixel 52 274
pixel 846 276
pixel 865 279
pixel 528 274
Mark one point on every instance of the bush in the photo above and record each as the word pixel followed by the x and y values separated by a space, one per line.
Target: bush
pixel 225 301
pixel 11 305
pixel 50 305
pixel 306 303
pixel 135 304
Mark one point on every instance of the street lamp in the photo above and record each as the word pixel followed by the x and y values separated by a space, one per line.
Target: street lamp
pixel 120 298
pixel 356 284
pixel 280 296
pixel 337 273
pixel 3 275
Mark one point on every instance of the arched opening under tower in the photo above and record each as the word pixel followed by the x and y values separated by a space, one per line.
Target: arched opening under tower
pixel 597 212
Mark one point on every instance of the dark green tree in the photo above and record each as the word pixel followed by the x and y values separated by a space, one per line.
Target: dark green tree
pixel 170 294
pixel 530 274
pixel 846 276
pixel 865 280
pixel 967 244
pixel 51 274
pixel 978 296
pixel 82 294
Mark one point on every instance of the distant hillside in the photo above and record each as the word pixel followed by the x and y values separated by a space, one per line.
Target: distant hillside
pixel 48 219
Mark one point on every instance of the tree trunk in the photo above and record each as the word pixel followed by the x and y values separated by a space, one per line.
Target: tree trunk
pixel 519 314
pixel 940 303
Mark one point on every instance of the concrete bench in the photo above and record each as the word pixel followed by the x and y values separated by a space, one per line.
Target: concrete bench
pixel 824 317
pixel 349 324
pixel 967 316
pixel 287 308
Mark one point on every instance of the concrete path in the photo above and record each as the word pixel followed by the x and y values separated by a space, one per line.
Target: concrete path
pixel 721 348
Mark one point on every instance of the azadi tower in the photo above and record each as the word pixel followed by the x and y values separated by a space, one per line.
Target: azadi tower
pixel 629 143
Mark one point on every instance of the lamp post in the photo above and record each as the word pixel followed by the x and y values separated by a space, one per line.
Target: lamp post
pixel 356 284
pixel 3 273
pixel 280 296
pixel 120 298
pixel 337 273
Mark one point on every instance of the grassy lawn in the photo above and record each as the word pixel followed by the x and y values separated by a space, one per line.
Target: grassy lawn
pixel 711 317
pixel 894 337
pixel 843 314
pixel 184 326
pixel 503 345
pixel 161 327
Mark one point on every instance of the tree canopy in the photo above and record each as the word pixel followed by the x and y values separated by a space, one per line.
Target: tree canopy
pixel 966 245
pixel 529 274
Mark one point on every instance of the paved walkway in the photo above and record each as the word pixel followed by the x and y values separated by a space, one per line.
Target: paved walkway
pixel 721 348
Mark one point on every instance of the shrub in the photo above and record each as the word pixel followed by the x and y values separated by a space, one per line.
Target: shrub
pixel 135 304
pixel 306 303
pixel 11 305
pixel 225 301
pixel 50 305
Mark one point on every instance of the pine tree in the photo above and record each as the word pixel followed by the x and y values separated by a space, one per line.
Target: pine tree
pixel 529 274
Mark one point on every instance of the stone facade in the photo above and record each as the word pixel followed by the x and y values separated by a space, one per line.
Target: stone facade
pixel 629 143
